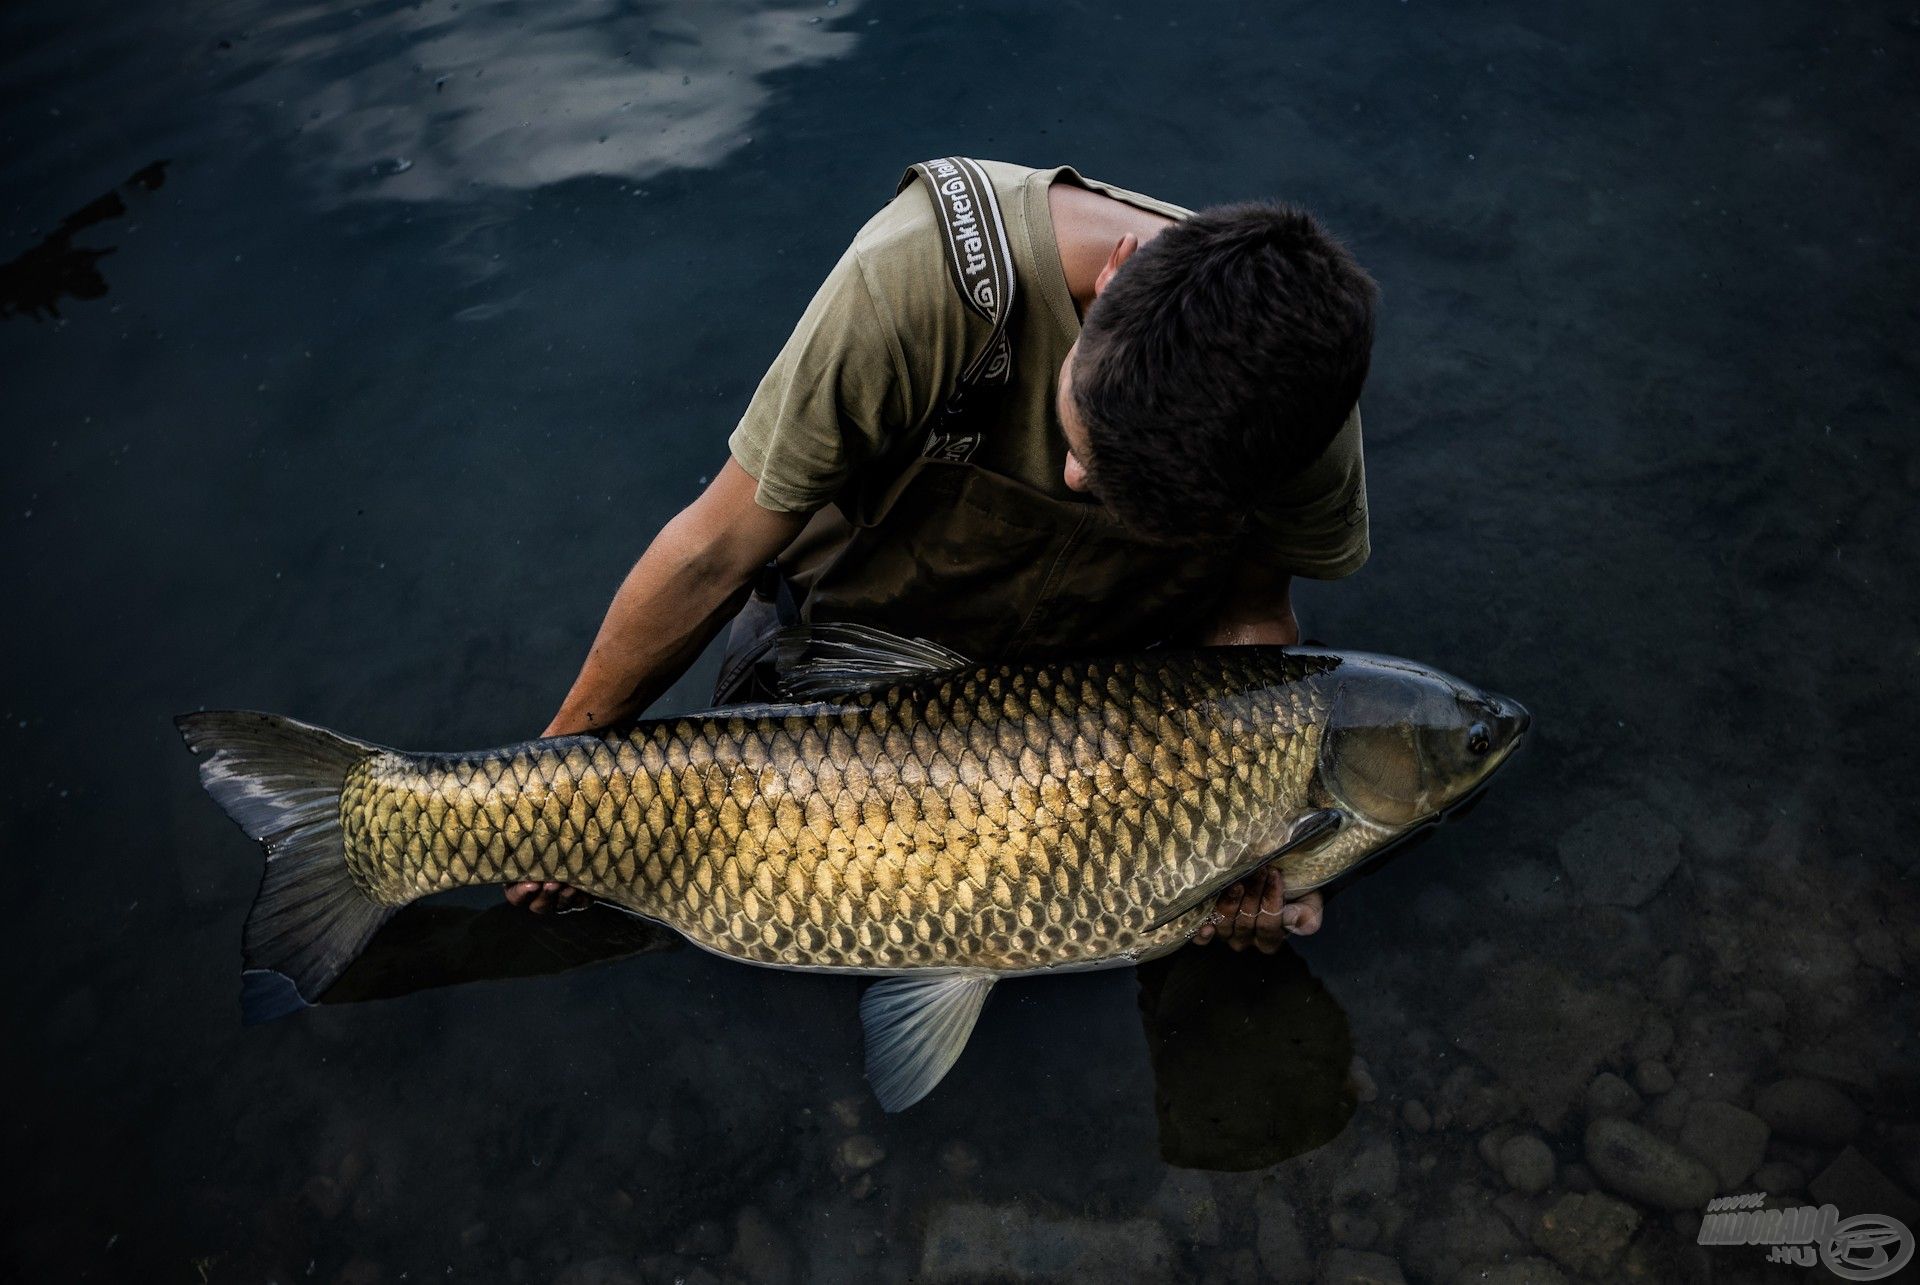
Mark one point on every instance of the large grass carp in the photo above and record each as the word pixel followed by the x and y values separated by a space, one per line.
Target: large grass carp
pixel 910 814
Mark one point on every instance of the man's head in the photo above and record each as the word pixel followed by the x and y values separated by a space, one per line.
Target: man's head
pixel 1219 363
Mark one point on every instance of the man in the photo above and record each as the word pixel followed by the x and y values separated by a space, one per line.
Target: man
pixel 945 448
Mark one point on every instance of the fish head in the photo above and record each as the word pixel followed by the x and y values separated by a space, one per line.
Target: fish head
pixel 1404 743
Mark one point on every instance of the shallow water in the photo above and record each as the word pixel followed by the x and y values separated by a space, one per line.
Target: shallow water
pixel 419 320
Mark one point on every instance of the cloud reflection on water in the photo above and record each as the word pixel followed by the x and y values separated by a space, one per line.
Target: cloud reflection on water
pixel 420 102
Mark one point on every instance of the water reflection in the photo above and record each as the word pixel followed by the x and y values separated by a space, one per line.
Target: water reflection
pixel 33 284
pixel 1250 1058
pixel 424 101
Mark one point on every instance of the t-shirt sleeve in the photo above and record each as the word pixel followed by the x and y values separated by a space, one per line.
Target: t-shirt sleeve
pixel 1317 524
pixel 821 408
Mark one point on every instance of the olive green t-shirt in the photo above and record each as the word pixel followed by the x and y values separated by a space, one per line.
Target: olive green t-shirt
pixel 881 345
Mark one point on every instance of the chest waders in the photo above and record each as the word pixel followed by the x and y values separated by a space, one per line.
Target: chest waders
pixel 948 550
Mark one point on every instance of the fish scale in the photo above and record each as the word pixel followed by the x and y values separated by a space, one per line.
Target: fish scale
pixel 1006 817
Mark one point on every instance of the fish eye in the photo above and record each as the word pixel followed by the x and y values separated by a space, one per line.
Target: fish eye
pixel 1479 740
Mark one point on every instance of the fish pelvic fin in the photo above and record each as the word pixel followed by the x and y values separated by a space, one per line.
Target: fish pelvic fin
pixel 280 781
pixel 915 1027
pixel 1303 833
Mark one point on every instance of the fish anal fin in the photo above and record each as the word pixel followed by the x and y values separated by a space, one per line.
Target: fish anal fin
pixel 915 1027
pixel 837 660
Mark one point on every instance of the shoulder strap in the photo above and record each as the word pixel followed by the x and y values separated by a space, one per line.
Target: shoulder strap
pixel 980 265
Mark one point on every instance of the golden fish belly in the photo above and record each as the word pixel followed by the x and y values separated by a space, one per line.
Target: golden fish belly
pixel 1008 818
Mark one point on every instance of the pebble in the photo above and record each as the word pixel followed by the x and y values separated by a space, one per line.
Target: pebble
pixel 1669 1113
pixel 1635 1163
pixel 1620 855
pixel 860 1153
pixel 1654 1041
pixel 1652 1078
pixel 973 1242
pixel 1354 1229
pixel 761 1251
pixel 1490 1143
pixel 704 1239
pixel 1730 1140
pixel 324 1194
pixel 1416 1115
pixel 473 1236
pixel 1586 1234
pixel 1527 1164
pixel 959 1160
pixel 608 1270
pixel 1878 949
pixel 1609 1095
pixel 846 1111
pixel 1364 1088
pixel 1766 1006
pixel 1525 1271
pixel 1673 980
pixel 1373 1172
pixel 1807 1110
pixel 1778 1177
pixel 1359 1267
pixel 360 1271
pixel 1277 1239
pixel 1185 1203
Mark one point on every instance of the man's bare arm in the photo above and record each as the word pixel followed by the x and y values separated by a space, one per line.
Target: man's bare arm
pixel 1255 912
pixel 683 589
pixel 1259 609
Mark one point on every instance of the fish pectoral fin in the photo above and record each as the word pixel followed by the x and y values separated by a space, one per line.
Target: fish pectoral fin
pixel 837 660
pixel 915 1027
pixel 1304 832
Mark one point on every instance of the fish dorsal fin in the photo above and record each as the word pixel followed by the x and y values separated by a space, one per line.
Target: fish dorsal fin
pixel 1306 830
pixel 915 1027
pixel 837 660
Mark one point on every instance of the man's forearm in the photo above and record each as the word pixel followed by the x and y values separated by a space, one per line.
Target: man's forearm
pixel 668 608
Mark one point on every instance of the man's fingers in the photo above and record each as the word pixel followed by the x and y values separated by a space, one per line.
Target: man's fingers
pixel 1221 922
pixel 1303 916
pixel 1270 930
pixel 518 893
pixel 1246 919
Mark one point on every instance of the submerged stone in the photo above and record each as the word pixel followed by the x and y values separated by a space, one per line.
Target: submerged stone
pixel 1635 1163
pixel 1359 1267
pixel 1527 1164
pixel 1731 1141
pixel 1854 1185
pixel 1808 1110
pixel 971 1242
pixel 1620 855
pixel 1586 1234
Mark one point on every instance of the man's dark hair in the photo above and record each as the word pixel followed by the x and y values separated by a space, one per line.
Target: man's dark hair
pixel 1219 361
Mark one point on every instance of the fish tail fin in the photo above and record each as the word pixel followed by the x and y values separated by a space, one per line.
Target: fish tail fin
pixel 280 781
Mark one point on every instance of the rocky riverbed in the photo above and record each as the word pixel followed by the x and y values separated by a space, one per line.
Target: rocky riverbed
pixel 1568 1122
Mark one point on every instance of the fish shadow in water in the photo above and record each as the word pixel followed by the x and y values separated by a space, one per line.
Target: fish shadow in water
pixel 1250 1057
pixel 424 947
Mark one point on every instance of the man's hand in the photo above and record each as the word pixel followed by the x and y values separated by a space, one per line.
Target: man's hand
pixel 541 898
pixel 1255 912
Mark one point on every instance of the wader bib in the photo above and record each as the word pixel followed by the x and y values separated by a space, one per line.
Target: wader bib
pixel 947 550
